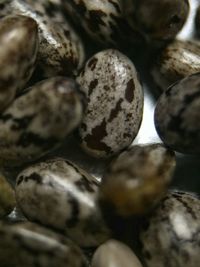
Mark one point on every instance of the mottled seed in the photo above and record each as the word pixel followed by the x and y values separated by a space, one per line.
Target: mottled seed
pixel 171 235
pixel 29 245
pixel 160 20
pixel 7 197
pixel 137 179
pixel 178 60
pixel 59 194
pixel 115 103
pixel 60 50
pixel 39 120
pixel 177 115
pixel 18 51
pixel 103 21
pixel 116 254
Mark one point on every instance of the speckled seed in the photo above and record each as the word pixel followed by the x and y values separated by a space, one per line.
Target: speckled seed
pixel 171 236
pixel 59 194
pixel 178 60
pixel 39 120
pixel 103 21
pixel 18 50
pixel 197 21
pixel 160 20
pixel 60 51
pixel 116 254
pixel 177 115
pixel 115 103
pixel 137 179
pixel 29 245
pixel 7 197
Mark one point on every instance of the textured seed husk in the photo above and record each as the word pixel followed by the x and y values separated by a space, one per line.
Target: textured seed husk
pixel 170 236
pixel 104 22
pixel 59 194
pixel 7 197
pixel 61 50
pixel 159 20
pixel 177 61
pixel 30 245
pixel 114 103
pixel 137 179
pixel 18 51
pixel 39 120
pixel 177 115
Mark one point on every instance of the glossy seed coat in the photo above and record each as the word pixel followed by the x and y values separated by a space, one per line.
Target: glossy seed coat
pixel 39 120
pixel 160 20
pixel 59 194
pixel 18 51
pixel 60 49
pixel 30 245
pixel 177 61
pixel 177 116
pixel 103 21
pixel 171 236
pixel 114 103
pixel 115 253
pixel 137 180
pixel 7 197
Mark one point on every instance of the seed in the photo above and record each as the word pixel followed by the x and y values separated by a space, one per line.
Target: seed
pixel 177 116
pixel 171 234
pixel 59 194
pixel 114 103
pixel 137 179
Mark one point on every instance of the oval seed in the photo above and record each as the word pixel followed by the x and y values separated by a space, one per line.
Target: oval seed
pixel 18 51
pixel 160 20
pixel 7 197
pixel 59 194
pixel 178 60
pixel 60 48
pixel 30 245
pixel 177 115
pixel 114 103
pixel 39 120
pixel 137 179
pixel 115 253
pixel 171 235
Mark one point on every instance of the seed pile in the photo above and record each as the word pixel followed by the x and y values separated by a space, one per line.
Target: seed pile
pixel 71 70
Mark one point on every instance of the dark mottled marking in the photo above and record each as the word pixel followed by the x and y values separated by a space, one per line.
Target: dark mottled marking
pixel 75 211
pixel 96 20
pixel 92 85
pixel 92 63
pixel 22 123
pixel 35 177
pixel 114 112
pixel 20 179
pixel 116 6
pixel 84 185
pixel 129 93
pixel 94 140
pixel 81 8
pixel 27 139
